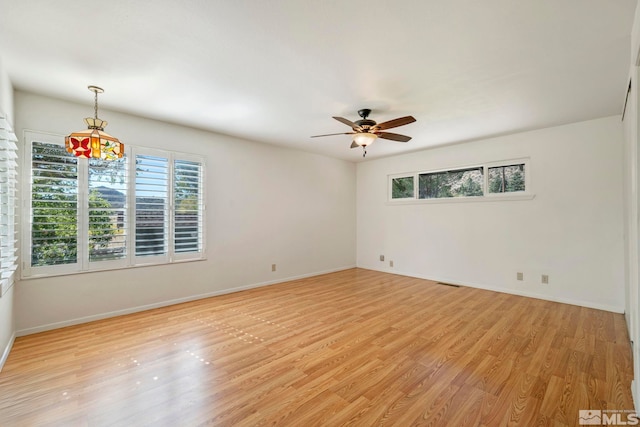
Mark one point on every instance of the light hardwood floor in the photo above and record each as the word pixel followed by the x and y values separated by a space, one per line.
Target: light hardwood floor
pixel 355 347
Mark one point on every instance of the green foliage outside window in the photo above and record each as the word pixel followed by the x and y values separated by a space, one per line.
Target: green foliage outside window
pixel 54 231
pixel 454 183
pixel 402 188
pixel 506 179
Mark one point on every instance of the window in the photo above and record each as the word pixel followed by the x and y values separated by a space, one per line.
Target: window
pixel 506 179
pixel 152 205
pixel 54 205
pixel 453 183
pixel 8 166
pixel 492 181
pixel 402 187
pixel 187 199
pixel 107 209
pixel 90 215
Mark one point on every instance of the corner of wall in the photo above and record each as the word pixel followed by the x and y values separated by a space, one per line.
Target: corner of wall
pixel 7 350
pixel 6 95
pixel 7 319
pixel 635 38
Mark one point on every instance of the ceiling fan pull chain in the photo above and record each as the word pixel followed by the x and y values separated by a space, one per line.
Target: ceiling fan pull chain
pixel 364 149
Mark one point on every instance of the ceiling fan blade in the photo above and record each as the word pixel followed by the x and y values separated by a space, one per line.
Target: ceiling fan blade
pixel 393 136
pixel 354 145
pixel 348 123
pixel 332 134
pixel 395 123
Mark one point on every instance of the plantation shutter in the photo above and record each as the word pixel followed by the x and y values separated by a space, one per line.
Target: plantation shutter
pixel 187 202
pixel 152 207
pixel 107 209
pixel 54 205
pixel 8 181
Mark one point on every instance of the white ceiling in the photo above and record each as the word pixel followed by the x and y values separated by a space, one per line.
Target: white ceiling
pixel 277 70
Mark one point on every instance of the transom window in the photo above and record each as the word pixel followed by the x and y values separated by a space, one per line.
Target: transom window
pixel 496 179
pixel 507 179
pixel 453 183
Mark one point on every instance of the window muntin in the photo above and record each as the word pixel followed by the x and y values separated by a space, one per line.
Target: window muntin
pixel 109 213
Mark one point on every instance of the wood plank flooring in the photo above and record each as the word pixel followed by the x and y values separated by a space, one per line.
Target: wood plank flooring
pixel 356 347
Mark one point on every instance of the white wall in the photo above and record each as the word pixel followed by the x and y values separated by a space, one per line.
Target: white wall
pixel 571 231
pixel 7 325
pixel 631 182
pixel 6 94
pixel 265 205
pixel 632 219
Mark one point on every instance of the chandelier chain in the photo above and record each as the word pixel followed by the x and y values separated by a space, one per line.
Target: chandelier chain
pixel 95 104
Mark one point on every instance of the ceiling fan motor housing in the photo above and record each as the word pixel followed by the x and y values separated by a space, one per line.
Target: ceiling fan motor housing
pixel 365 123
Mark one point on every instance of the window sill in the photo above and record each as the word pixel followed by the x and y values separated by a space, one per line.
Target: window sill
pixel 492 198
pixel 98 270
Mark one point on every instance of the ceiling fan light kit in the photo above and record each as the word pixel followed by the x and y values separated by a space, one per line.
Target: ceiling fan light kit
pixel 366 131
pixel 365 138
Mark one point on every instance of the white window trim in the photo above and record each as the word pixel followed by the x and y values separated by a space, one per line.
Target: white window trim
pixel 402 175
pixel 510 195
pixel 131 261
pixel 528 194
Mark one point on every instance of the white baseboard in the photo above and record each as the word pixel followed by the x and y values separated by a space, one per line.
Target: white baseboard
pixel 79 320
pixel 635 393
pixel 571 301
pixel 7 350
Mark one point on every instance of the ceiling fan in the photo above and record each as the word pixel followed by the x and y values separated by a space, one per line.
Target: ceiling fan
pixel 366 131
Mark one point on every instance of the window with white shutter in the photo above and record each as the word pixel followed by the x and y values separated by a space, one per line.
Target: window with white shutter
pixel 8 183
pixel 187 201
pixel 108 222
pixel 54 205
pixel 152 206
pixel 88 214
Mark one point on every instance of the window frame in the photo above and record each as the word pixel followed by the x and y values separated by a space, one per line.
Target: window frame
pixel 527 194
pixel 447 171
pixel 83 263
pixel 398 176
pixel 509 194
pixel 163 258
pixel 187 256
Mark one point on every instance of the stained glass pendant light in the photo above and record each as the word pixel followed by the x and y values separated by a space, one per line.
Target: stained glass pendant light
pixel 94 142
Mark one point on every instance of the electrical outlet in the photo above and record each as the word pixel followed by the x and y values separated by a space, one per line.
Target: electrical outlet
pixel 381 257
pixel 390 263
pixel 520 276
pixel 545 279
pixel 273 267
